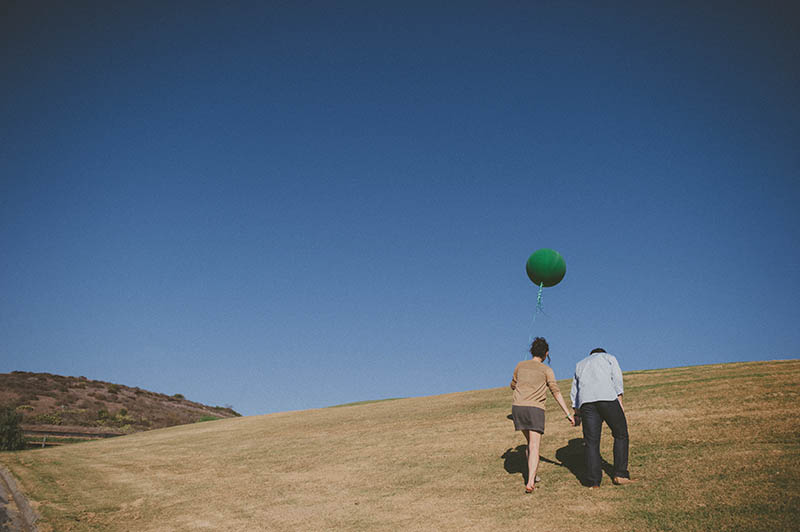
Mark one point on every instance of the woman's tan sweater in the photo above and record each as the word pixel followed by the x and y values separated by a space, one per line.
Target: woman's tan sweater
pixel 530 382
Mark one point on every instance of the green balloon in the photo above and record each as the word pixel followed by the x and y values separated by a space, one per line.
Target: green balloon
pixel 546 267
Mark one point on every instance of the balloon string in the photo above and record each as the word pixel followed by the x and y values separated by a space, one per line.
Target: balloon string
pixel 539 308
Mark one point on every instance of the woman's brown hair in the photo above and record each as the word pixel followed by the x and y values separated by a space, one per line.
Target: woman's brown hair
pixel 539 348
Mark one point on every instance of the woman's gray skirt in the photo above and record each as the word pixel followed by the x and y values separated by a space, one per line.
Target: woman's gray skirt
pixel 528 418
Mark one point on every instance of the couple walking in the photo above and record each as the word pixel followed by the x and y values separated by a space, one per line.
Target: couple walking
pixel 596 397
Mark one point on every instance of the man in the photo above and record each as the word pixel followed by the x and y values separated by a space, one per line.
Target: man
pixel 596 397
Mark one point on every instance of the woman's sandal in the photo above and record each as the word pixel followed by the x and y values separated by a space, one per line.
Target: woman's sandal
pixel 529 490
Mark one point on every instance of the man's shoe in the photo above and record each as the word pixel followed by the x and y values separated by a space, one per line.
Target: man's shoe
pixel 621 481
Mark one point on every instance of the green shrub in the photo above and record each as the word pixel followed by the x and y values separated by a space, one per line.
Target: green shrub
pixel 208 418
pixel 113 388
pixel 11 437
pixel 178 396
pixel 47 419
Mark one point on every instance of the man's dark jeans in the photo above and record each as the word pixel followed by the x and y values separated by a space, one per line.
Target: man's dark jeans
pixel 592 416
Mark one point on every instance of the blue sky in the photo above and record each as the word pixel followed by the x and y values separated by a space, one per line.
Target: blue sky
pixel 290 205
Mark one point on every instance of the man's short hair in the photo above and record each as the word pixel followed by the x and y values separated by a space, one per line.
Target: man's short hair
pixel 597 350
pixel 539 347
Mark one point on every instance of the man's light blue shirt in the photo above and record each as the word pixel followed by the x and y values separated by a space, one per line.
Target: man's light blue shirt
pixel 597 378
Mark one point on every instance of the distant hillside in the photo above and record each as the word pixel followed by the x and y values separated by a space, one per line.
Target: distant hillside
pixel 54 400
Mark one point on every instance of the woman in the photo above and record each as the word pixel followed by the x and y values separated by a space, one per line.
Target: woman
pixel 531 379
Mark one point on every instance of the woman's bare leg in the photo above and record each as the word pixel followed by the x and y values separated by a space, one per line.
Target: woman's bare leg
pixel 532 453
pixel 527 435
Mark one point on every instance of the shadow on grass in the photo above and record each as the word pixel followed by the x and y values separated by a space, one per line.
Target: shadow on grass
pixel 571 457
pixel 515 461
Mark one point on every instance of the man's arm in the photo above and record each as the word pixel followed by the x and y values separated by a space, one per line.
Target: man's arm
pixel 616 376
pixel 573 397
pixel 573 393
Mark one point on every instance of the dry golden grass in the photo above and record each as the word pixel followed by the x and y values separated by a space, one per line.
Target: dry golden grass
pixel 714 448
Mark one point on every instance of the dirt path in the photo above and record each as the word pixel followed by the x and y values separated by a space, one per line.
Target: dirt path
pixel 15 512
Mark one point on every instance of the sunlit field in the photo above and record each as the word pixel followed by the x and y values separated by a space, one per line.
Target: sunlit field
pixel 712 447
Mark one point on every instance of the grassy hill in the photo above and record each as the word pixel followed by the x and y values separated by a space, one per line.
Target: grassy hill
pixel 713 448
pixel 78 403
